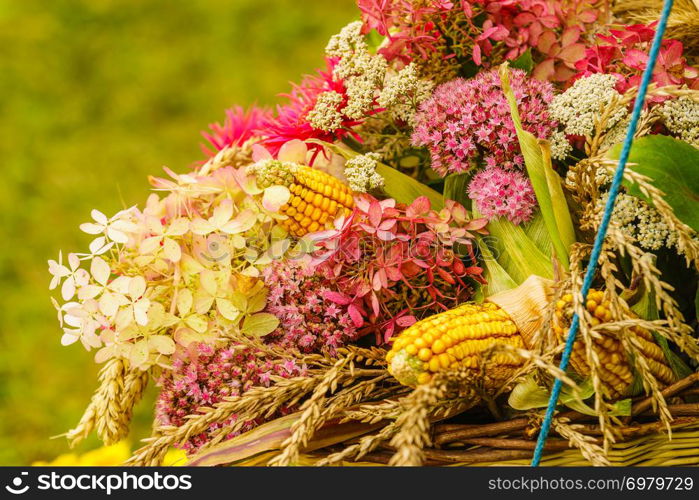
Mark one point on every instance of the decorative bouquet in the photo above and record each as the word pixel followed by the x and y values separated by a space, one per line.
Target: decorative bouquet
pixel 384 268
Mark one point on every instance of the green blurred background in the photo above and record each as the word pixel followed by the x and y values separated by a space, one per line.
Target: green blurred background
pixel 94 96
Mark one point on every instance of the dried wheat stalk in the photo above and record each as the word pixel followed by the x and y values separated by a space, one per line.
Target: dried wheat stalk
pixel 260 401
pixel 586 444
pixel 232 156
pixel 111 407
pixel 413 424
pixel 366 445
pixel 311 418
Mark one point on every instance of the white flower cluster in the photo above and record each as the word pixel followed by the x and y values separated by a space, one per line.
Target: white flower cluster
pixel 326 114
pixel 577 108
pixel 362 74
pixel 367 81
pixel 617 133
pixel 361 173
pixel 346 41
pixel 560 147
pixel 641 221
pixel 681 117
pixel 403 92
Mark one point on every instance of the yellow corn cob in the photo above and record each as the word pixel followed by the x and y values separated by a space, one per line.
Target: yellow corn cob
pixel 317 198
pixel 616 373
pixel 455 338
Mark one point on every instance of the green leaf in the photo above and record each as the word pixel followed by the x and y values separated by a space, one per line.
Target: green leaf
pixel 456 188
pixel 536 169
pixel 239 301
pixel 524 62
pixel 535 229
pixel 397 185
pixel 621 408
pixel 227 309
pixel 374 39
pixel 260 324
pixel 673 166
pixel 528 395
pixel 258 301
pixel 561 212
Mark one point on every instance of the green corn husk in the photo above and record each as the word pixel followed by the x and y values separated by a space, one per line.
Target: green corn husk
pixel 518 255
pixel 546 183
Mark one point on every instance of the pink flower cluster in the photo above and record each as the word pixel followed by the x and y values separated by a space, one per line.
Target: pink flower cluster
pixel 624 53
pixel 551 29
pixel 204 375
pixel 503 193
pixel 468 120
pixel 393 264
pixel 309 321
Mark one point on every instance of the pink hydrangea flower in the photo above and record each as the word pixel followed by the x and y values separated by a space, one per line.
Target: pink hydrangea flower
pixel 468 120
pixel 503 193
pixel 488 31
pixel 624 53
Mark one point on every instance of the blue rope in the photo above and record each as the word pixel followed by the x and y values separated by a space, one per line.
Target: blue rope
pixel 602 231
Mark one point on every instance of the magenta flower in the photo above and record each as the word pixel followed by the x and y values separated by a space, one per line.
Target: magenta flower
pixel 503 193
pixel 289 122
pixel 469 120
pixel 240 125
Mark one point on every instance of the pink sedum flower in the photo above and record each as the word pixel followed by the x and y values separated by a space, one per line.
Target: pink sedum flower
pixel 309 321
pixel 503 193
pixel 465 120
pixel 204 375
